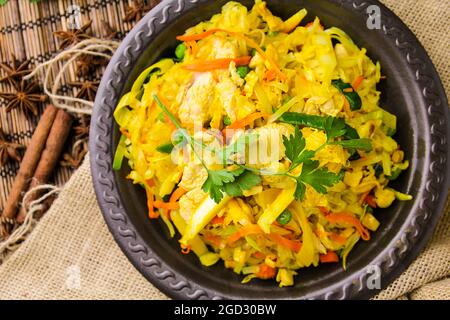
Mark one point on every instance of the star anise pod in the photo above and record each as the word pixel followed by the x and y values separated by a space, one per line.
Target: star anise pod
pixel 73 36
pixel 88 89
pixel 110 32
pixel 9 150
pixel 15 71
pixel 27 97
pixel 137 10
pixel 82 128
pixel 75 158
pixel 86 64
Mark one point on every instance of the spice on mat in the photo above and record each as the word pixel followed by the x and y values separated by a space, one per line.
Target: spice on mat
pixel 88 89
pixel 27 167
pixel 75 158
pixel 136 10
pixel 110 32
pixel 70 37
pixel 9 150
pixel 15 71
pixel 82 128
pixel 49 158
pixel 86 64
pixel 27 97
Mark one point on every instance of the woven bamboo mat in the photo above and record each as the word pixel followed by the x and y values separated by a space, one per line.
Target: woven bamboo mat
pixel 26 31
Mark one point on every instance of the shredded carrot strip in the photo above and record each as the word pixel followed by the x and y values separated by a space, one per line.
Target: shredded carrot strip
pixel 217 220
pixel 177 194
pixel 239 124
pixel 337 238
pixel 185 249
pixel 224 63
pixel 266 272
pixel 245 231
pixel 357 82
pixel 173 200
pixel 282 241
pixel 370 201
pixel 259 255
pixel 330 256
pixel 348 90
pixel 249 41
pixel 214 240
pixel 270 75
pixel 324 210
pixel 199 36
pixel 125 133
pixel 348 218
pixel 166 205
pixel 273 64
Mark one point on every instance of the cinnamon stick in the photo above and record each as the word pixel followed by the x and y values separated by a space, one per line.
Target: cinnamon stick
pixel 28 165
pixel 53 148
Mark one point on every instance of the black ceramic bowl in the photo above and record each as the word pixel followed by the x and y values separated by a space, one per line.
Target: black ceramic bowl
pixel 412 92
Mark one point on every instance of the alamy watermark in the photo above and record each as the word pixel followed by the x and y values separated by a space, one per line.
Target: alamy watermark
pixel 373 281
pixel 73 277
pixel 374 19
pixel 74 21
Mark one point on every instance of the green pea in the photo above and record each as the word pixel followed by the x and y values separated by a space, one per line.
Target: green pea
pixel 253 52
pixel 284 217
pixel 180 51
pixel 242 71
pixel 165 148
pixel 273 33
pixel 226 120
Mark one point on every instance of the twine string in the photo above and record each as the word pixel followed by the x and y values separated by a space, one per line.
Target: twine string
pixel 19 234
pixel 94 47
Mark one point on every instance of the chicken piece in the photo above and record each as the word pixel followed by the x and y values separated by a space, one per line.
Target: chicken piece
pixel 194 175
pixel 190 202
pixel 226 92
pixel 194 109
pixel 221 48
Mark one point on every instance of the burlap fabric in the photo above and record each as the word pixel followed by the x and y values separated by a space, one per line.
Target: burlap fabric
pixel 71 255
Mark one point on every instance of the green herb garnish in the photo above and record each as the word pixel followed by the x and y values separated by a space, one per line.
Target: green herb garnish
pixel 351 95
pixel 285 217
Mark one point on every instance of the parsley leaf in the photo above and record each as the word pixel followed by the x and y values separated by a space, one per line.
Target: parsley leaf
pixel 295 149
pixel 318 178
pixel 245 181
pixel 238 147
pixel 232 183
pixel 334 127
pixel 216 179
pixel 361 144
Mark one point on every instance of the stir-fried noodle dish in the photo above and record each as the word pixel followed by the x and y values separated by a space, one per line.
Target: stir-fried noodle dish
pixel 261 143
